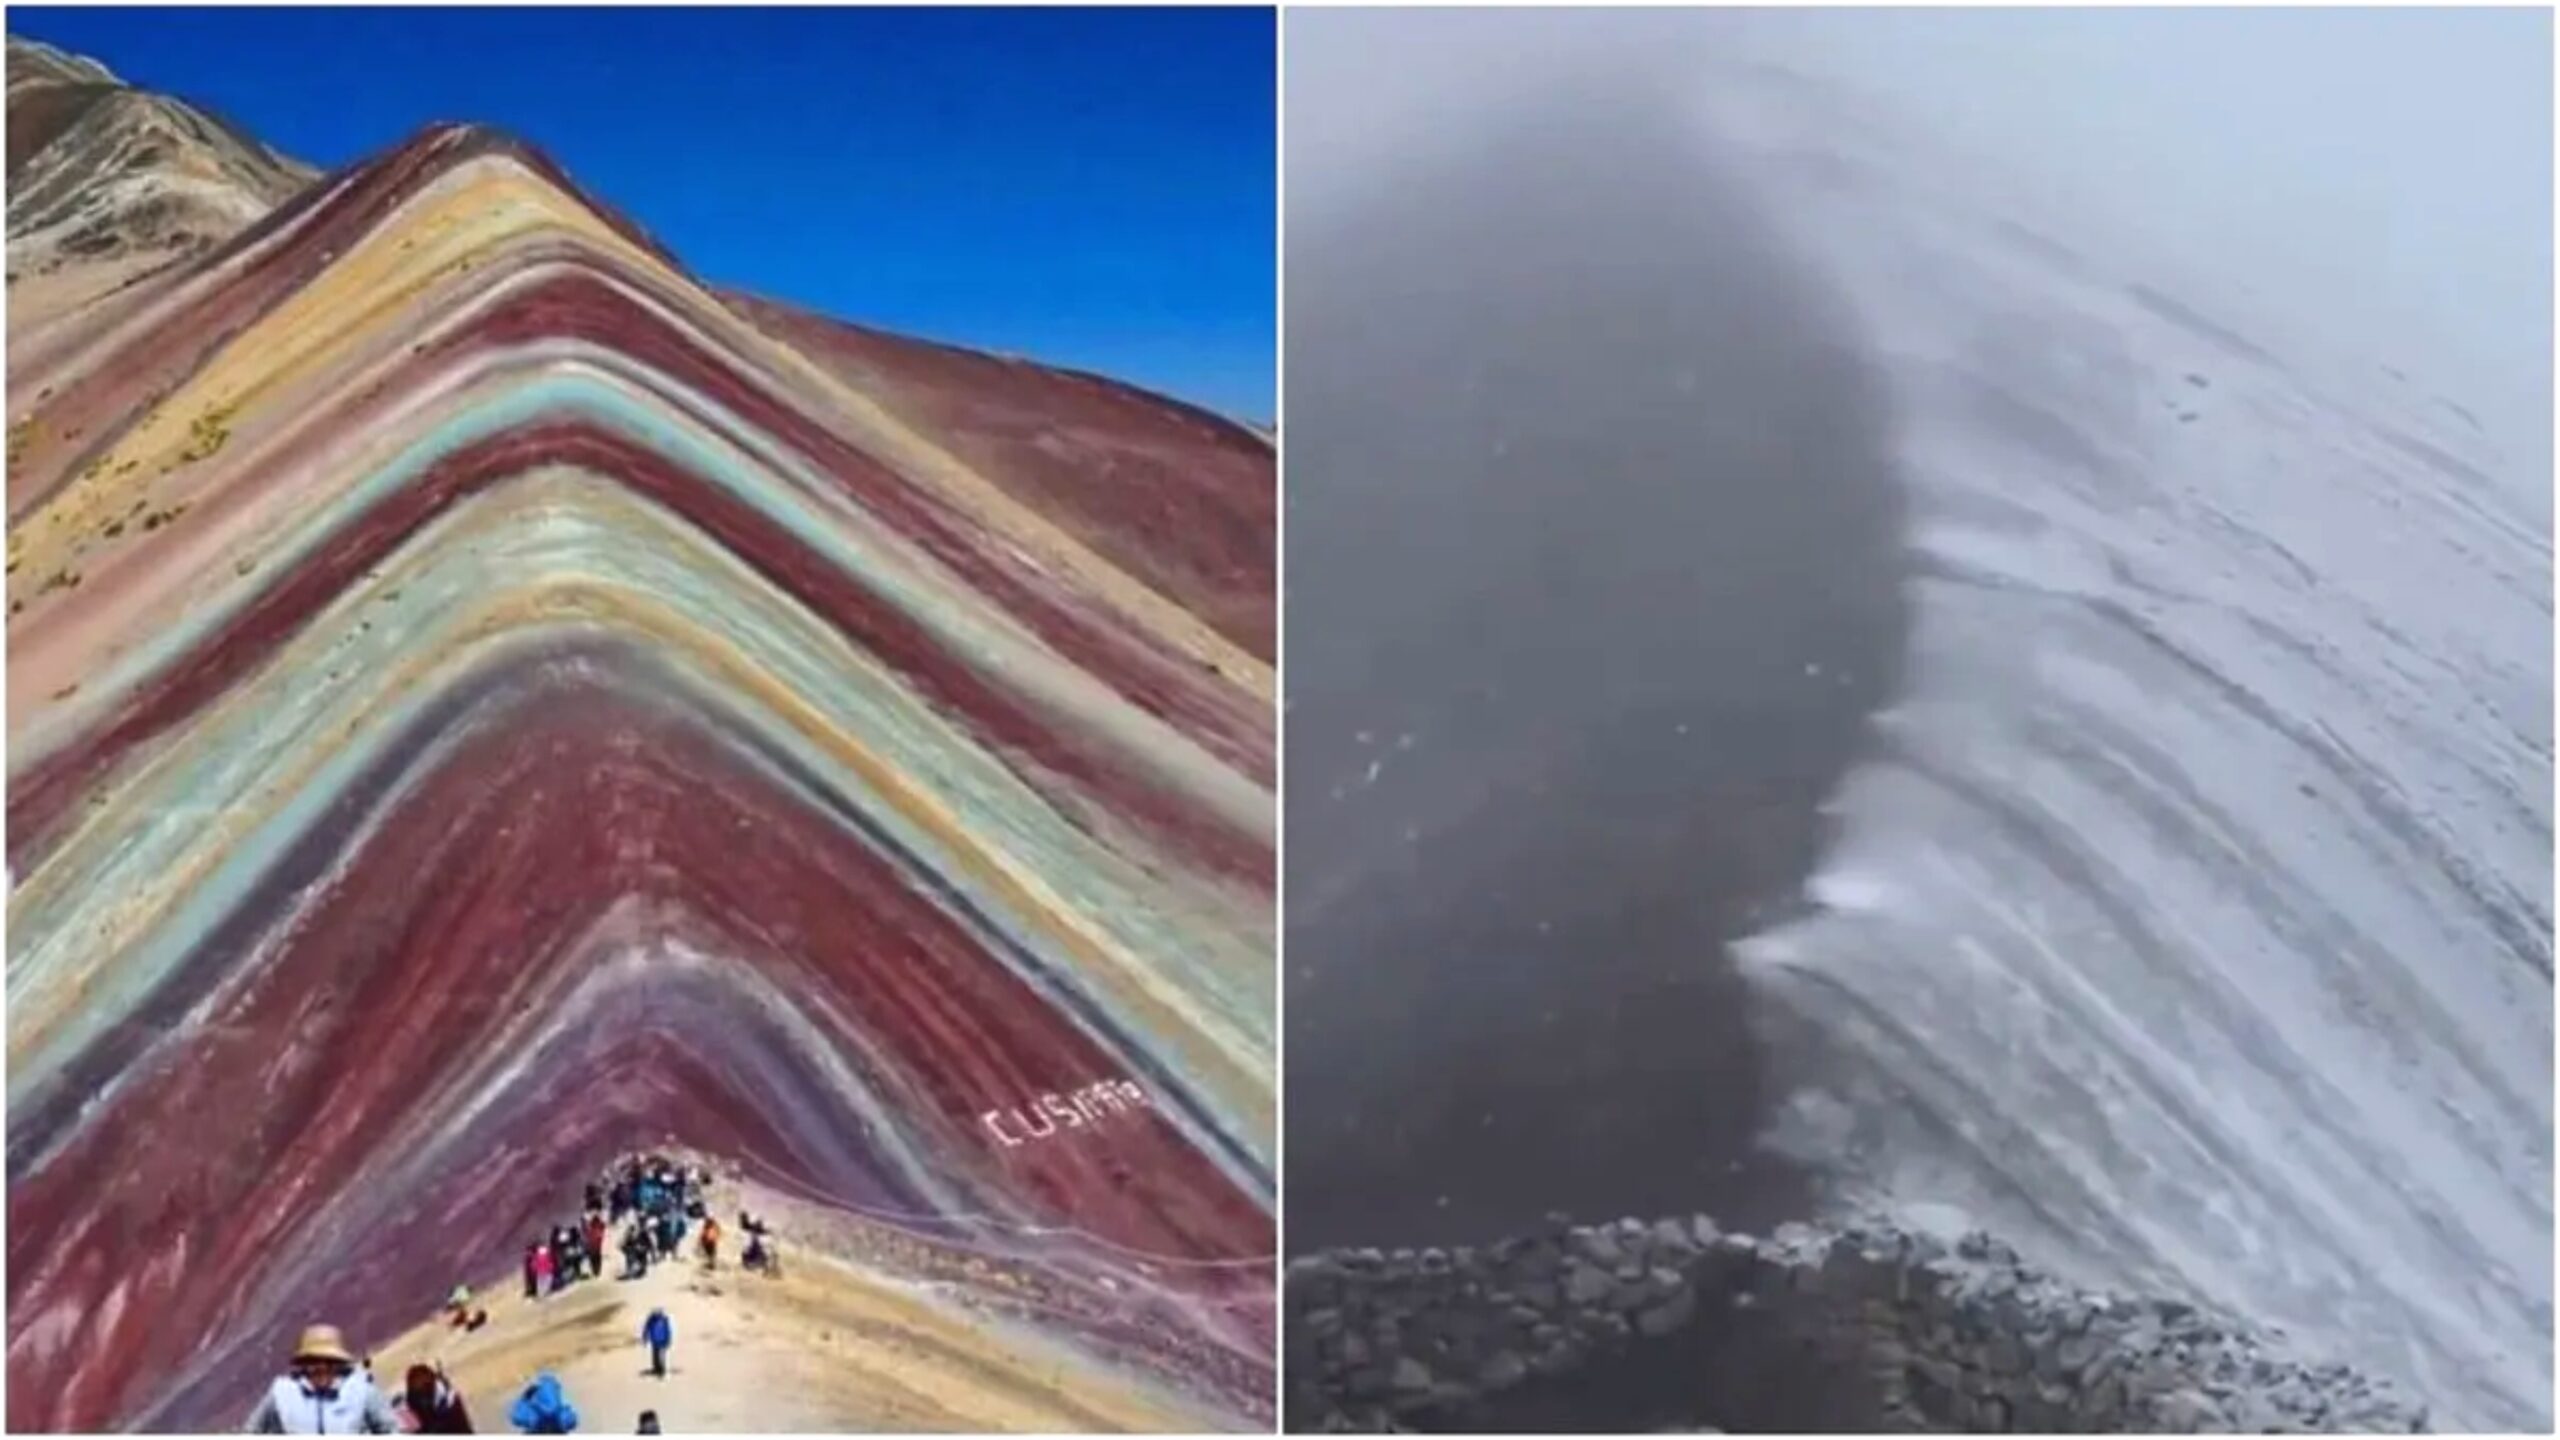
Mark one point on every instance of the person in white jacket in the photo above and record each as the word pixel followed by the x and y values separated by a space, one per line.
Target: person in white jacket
pixel 323 1393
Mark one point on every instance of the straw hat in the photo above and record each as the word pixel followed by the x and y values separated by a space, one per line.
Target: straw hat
pixel 323 1342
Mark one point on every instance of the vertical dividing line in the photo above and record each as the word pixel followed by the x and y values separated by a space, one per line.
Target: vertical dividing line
pixel 1280 690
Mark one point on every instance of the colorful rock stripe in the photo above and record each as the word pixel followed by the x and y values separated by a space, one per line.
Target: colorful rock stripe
pixel 482 702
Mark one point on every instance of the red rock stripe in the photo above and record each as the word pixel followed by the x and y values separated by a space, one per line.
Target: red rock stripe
pixel 40 798
pixel 1178 497
pixel 229 1155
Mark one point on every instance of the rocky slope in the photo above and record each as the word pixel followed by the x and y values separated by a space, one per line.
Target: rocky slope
pixel 459 661
pixel 1676 1324
pixel 107 182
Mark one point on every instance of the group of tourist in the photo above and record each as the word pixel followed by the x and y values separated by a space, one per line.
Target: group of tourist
pixel 662 1202
pixel 665 1203
pixel 327 1390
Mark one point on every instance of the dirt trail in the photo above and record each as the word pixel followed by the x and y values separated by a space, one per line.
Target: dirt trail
pixel 828 1347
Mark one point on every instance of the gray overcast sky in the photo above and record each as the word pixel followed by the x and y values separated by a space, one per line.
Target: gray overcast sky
pixel 2380 179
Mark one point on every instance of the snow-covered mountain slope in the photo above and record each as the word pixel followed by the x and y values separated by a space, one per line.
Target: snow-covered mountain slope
pixel 2191 924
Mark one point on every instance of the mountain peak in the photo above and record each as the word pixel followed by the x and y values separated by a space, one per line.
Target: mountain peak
pixel 107 181
pixel 35 62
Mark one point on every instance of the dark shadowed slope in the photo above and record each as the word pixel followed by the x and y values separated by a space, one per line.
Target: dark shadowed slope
pixel 1594 578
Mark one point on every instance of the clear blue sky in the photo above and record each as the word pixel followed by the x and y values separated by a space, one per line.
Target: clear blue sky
pixel 1089 187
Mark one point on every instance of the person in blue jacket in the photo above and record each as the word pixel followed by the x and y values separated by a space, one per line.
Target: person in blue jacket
pixel 543 1409
pixel 658 1332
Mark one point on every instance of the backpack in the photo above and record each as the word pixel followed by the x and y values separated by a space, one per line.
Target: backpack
pixel 543 1410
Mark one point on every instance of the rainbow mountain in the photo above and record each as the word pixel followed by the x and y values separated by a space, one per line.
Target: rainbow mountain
pixel 483 702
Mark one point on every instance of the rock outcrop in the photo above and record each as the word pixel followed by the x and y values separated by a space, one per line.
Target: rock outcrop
pixel 107 181
pixel 1673 1324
